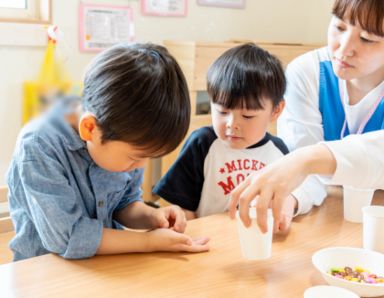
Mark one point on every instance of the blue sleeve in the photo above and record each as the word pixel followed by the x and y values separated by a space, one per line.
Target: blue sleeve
pixel 134 191
pixel 183 183
pixel 56 213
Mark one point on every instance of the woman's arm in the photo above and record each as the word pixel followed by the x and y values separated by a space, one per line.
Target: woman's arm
pixel 360 160
pixel 277 180
pixel 345 158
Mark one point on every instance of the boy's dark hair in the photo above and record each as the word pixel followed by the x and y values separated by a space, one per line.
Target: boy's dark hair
pixel 245 76
pixel 138 95
pixel 369 14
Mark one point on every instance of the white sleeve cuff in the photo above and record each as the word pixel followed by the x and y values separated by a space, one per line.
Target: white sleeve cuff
pixel 345 172
pixel 360 160
pixel 311 192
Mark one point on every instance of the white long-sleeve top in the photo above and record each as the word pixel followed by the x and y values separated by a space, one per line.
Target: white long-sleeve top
pixel 360 160
pixel 301 121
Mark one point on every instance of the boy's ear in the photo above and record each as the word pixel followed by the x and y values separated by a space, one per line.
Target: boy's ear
pixel 277 110
pixel 87 126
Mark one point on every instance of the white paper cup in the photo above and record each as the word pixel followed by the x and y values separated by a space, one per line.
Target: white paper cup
pixel 254 244
pixel 328 291
pixel 373 228
pixel 354 200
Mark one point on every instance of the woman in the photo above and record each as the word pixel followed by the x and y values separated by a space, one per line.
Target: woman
pixel 337 90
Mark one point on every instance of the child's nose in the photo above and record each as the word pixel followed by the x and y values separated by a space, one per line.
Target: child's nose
pixel 232 123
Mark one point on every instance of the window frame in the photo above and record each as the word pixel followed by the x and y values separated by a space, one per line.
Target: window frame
pixel 38 12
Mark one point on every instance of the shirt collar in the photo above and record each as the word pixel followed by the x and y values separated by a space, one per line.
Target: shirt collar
pixel 70 135
pixel 73 140
pixel 262 142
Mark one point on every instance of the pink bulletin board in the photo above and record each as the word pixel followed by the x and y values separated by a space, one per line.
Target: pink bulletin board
pixel 223 3
pixel 101 26
pixel 164 8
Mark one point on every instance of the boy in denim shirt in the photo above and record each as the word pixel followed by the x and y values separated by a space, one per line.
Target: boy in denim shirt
pixel 76 173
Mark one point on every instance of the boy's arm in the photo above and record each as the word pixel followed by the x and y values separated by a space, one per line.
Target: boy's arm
pixel 136 215
pixel 56 213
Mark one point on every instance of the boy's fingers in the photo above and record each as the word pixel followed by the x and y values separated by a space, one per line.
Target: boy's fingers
pixel 201 240
pixel 180 228
pixel 187 244
pixel 180 220
pixel 159 220
pixel 182 239
pixel 162 221
pixel 194 248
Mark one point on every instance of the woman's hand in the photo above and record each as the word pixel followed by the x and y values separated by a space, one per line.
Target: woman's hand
pixel 286 215
pixel 273 184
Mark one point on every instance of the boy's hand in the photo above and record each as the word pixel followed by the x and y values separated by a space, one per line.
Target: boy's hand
pixel 172 217
pixel 169 240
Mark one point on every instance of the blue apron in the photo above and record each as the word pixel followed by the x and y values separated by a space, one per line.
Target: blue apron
pixel 331 108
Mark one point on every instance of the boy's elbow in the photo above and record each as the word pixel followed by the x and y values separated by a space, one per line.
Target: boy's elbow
pixel 55 244
pixel 77 242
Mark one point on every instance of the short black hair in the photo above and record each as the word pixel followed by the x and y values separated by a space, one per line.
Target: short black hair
pixel 245 76
pixel 369 14
pixel 138 95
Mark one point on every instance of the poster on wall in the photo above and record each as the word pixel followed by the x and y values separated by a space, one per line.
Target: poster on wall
pixel 164 8
pixel 101 26
pixel 223 3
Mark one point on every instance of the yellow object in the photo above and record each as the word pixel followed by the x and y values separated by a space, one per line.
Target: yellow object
pixel 52 82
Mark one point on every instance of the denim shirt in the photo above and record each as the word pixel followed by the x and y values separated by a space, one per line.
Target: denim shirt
pixel 59 199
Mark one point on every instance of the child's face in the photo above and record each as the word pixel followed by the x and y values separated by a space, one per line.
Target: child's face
pixel 116 156
pixel 113 156
pixel 355 53
pixel 241 128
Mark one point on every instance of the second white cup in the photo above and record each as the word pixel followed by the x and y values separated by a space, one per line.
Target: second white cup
pixel 354 200
pixel 254 244
pixel 373 231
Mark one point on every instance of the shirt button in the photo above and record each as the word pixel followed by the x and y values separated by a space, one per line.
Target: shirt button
pixel 100 204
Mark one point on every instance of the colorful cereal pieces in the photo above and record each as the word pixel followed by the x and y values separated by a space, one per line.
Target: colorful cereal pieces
pixel 358 274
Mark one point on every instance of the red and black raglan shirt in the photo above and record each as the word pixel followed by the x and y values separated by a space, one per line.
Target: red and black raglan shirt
pixel 207 170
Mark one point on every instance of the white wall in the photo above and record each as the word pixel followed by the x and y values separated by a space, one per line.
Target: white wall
pixel 298 21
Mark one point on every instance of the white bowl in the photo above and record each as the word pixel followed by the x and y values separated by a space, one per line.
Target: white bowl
pixel 328 291
pixel 332 257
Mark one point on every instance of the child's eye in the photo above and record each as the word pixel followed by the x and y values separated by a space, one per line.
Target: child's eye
pixel 366 40
pixel 248 117
pixel 339 28
pixel 222 112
